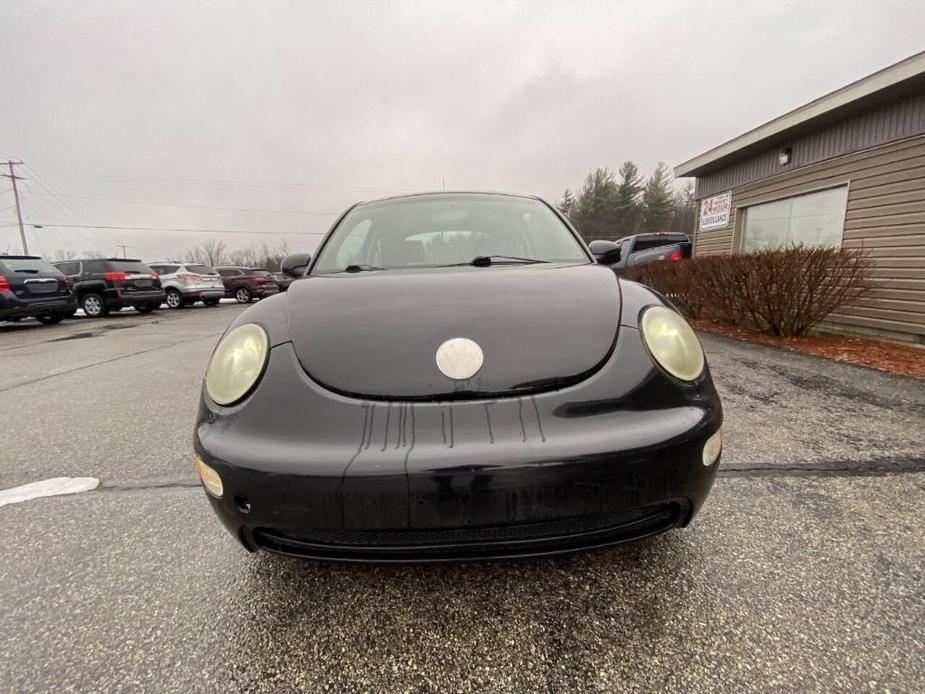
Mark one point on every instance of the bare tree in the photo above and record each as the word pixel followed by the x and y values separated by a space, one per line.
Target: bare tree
pixel 212 252
pixel 217 253
pixel 65 255
pixel 273 256
pixel 245 257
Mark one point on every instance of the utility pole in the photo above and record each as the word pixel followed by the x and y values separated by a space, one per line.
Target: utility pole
pixel 13 177
pixel 123 249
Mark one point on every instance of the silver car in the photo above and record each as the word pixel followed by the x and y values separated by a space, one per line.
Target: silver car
pixel 186 283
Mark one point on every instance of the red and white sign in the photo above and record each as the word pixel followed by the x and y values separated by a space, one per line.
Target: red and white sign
pixel 714 212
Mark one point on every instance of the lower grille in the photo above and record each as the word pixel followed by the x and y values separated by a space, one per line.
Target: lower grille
pixel 520 539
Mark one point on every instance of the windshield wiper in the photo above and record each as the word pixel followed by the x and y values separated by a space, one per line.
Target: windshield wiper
pixel 363 268
pixel 486 260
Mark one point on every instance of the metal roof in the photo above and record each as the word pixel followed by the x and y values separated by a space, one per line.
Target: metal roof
pixel 830 106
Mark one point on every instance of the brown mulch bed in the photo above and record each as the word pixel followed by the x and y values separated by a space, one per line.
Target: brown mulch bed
pixel 883 356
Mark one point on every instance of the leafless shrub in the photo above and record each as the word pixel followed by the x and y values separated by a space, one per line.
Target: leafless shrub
pixel 676 281
pixel 783 291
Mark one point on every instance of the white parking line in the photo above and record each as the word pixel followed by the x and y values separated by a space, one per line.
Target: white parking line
pixel 52 487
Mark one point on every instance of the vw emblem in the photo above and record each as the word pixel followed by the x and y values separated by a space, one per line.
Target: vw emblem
pixel 459 358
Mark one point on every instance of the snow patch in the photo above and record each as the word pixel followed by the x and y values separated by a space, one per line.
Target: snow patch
pixel 55 486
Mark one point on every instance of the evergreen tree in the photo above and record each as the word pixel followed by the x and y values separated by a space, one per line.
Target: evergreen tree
pixel 567 203
pixel 628 207
pixel 658 200
pixel 594 211
pixel 685 210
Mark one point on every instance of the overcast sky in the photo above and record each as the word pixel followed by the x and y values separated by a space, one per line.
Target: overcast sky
pixel 198 107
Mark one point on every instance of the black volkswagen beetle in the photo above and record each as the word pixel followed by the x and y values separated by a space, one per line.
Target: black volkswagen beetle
pixel 456 377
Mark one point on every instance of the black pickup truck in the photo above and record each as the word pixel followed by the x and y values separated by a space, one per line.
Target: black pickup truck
pixel 650 248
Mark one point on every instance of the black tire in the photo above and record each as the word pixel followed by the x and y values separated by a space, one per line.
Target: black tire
pixel 145 308
pixel 174 299
pixel 211 302
pixel 93 305
pixel 243 295
pixel 50 318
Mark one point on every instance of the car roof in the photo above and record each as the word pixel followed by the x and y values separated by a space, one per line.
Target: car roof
pixel 108 260
pixel 449 193
pixel 21 257
pixel 656 234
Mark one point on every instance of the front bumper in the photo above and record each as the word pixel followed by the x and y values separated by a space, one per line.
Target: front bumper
pixel 314 474
pixel 121 297
pixel 209 292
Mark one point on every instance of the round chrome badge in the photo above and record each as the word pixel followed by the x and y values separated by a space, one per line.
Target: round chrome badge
pixel 459 358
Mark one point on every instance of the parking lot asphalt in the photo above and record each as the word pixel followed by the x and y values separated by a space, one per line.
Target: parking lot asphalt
pixel 804 571
pixel 116 396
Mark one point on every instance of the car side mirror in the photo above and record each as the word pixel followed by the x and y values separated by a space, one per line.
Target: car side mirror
pixel 294 265
pixel 605 252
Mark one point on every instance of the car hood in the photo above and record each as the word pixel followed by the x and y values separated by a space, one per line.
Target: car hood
pixel 376 334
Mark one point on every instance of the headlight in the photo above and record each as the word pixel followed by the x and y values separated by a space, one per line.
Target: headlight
pixel 672 343
pixel 236 364
pixel 713 447
pixel 210 478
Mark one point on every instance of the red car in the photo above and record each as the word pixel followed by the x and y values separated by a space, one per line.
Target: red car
pixel 245 284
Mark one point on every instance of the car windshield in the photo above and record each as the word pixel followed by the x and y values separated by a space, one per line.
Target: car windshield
pixel 440 230
pixel 201 269
pixel 27 265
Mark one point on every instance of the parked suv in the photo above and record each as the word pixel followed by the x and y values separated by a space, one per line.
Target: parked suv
pixel 246 284
pixel 108 284
pixel 29 286
pixel 186 283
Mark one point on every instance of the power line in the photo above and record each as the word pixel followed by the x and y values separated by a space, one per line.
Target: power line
pixel 199 207
pixel 228 181
pixel 60 206
pixel 181 229
pixel 68 208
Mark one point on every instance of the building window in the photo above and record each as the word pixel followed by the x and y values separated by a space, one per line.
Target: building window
pixel 814 219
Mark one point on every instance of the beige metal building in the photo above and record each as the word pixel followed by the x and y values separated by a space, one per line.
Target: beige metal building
pixel 847 169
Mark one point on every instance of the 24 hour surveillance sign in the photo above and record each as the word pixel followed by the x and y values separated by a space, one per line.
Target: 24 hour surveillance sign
pixel 714 212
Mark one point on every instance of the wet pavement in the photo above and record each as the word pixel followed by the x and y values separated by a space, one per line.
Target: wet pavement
pixel 804 571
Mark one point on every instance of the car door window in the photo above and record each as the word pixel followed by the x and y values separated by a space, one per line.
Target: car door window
pixel 69 268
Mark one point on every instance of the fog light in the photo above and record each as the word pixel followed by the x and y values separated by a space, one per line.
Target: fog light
pixel 210 479
pixel 713 447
